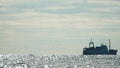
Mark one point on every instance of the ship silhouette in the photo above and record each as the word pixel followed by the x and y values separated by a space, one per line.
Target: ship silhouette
pixel 99 50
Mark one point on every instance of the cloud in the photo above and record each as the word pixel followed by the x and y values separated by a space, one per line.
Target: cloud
pixel 61 7
pixel 55 8
pixel 10 2
pixel 105 2
pixel 47 20
pixel 105 9
pixel 6 2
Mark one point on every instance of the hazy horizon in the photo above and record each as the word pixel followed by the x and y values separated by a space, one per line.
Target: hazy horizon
pixel 57 26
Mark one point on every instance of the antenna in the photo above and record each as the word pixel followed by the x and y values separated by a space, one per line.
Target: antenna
pixel 91 39
pixel 109 44
pixel 105 43
pixel 91 42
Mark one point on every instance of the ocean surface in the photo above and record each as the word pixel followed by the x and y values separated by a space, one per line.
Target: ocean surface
pixel 59 61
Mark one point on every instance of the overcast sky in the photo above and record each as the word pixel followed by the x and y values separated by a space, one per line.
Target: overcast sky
pixel 57 26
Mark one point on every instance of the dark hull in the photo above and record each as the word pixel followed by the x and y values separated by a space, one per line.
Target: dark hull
pixel 112 52
pixel 95 52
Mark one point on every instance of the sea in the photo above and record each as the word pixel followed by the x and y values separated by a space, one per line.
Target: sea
pixel 59 61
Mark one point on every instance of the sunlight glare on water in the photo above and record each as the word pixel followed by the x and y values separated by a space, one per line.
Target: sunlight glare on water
pixel 59 61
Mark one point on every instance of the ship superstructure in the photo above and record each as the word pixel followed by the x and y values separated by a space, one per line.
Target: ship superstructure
pixel 99 50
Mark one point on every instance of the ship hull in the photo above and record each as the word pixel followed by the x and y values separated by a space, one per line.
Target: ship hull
pixel 112 52
pixel 96 52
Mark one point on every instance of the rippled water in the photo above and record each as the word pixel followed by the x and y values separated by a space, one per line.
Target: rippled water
pixel 61 61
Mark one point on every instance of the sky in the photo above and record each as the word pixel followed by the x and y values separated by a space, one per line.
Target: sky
pixel 57 26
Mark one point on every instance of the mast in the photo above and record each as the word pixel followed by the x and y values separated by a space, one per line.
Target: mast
pixel 91 43
pixel 109 44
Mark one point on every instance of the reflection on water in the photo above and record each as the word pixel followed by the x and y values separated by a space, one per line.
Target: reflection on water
pixel 62 61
